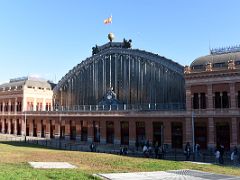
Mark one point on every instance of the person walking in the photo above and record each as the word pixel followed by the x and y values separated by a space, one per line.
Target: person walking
pixel 217 155
pixel 234 156
pixel 187 151
pixel 197 152
pixel 221 150
pixel 145 151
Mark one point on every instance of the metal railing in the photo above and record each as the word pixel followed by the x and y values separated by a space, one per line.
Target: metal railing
pixel 124 107
pixel 206 156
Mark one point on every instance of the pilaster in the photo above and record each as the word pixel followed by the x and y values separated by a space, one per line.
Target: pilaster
pixel 234 133
pixel 211 134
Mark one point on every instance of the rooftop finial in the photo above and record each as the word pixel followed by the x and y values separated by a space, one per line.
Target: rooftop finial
pixel 111 37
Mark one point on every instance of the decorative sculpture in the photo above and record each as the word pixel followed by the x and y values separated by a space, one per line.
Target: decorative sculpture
pixel 209 66
pixel 187 70
pixel 127 44
pixel 95 50
pixel 231 64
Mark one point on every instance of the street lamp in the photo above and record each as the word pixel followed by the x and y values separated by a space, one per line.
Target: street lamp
pixel 193 135
pixel 25 120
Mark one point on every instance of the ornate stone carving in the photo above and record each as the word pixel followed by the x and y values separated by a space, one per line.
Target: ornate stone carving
pixel 95 50
pixel 127 44
pixel 231 64
pixel 209 66
pixel 187 70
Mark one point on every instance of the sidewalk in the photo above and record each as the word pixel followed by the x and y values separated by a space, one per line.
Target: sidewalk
pixel 170 175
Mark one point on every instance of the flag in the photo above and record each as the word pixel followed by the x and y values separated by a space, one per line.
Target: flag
pixel 108 20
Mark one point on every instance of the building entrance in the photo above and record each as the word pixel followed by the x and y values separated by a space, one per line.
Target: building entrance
pixel 73 131
pixel 124 133
pixel 96 131
pixel 201 135
pixel 110 132
pixel 158 133
pixel 84 132
pixel 177 136
pixel 223 134
pixel 140 133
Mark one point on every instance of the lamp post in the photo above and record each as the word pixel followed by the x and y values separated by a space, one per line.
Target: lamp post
pixel 25 121
pixel 193 136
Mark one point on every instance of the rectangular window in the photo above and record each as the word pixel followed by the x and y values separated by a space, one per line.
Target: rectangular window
pixel 195 101
pixel 225 101
pixel 217 100
pixel 203 101
pixel 238 99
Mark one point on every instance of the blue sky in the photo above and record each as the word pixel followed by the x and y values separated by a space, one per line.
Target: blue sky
pixel 49 37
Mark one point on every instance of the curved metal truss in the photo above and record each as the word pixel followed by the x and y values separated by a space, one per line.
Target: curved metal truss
pixel 137 77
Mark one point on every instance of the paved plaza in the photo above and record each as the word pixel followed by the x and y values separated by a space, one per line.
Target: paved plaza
pixel 171 175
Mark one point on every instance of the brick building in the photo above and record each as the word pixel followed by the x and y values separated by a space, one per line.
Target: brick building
pixel 19 96
pixel 212 94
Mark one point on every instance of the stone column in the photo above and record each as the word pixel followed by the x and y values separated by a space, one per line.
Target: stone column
pixel 211 134
pixel 57 129
pixel 188 98
pixel 3 107
pixel 188 130
pixel 44 104
pixel 117 132
pixel 34 104
pixel 210 97
pixel 47 135
pixel 9 126
pixel 15 106
pixel 232 95
pixel 103 133
pixel 9 107
pixel 67 130
pixel 132 132
pixel 23 128
pixel 15 126
pixel 78 130
pixel 3 126
pixel 39 128
pixel 234 133
pixel 53 128
pixel 90 131
pixel 167 139
pixel 30 127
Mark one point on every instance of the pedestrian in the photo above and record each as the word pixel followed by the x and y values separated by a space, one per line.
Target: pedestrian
pixel 187 151
pixel 217 155
pixel 92 147
pixel 121 151
pixel 234 156
pixel 221 150
pixel 137 145
pixel 125 151
pixel 145 151
pixel 197 151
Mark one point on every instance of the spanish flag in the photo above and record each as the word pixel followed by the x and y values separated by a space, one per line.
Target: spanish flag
pixel 108 20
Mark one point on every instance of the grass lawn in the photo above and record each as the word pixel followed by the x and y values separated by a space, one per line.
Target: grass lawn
pixel 14 158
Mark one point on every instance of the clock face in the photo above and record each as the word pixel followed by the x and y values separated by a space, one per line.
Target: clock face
pixel 109 96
